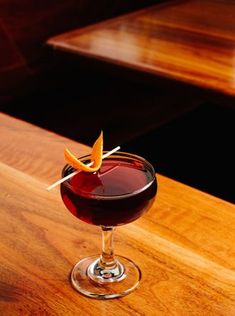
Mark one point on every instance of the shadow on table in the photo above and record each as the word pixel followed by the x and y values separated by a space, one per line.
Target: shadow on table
pixel 196 149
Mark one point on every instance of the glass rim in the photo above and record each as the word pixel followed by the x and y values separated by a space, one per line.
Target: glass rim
pixel 118 196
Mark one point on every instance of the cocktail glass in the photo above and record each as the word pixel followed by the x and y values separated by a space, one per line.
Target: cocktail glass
pixel 120 192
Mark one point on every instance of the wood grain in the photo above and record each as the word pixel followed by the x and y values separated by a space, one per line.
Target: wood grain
pixel 184 244
pixel 190 41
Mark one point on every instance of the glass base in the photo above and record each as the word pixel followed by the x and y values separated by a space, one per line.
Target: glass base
pixel 107 284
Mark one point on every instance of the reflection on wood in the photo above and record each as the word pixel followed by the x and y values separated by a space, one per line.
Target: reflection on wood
pixel 190 41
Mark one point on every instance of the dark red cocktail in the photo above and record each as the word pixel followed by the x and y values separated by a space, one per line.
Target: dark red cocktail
pixel 120 192
pixel 117 194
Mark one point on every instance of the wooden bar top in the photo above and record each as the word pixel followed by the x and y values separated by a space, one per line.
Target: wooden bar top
pixel 185 244
pixel 191 41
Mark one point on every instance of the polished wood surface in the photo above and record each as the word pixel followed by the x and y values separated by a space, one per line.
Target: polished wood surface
pixel 190 41
pixel 184 245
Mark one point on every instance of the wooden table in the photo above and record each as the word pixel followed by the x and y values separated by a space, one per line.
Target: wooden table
pixel 185 245
pixel 191 41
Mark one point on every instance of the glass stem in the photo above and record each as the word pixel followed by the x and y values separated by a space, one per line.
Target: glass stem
pixel 106 268
pixel 107 259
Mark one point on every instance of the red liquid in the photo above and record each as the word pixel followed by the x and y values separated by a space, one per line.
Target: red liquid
pixel 119 193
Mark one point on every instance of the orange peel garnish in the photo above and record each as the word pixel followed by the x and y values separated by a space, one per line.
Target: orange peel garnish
pixel 96 157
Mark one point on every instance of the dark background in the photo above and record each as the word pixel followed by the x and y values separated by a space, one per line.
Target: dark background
pixel 187 133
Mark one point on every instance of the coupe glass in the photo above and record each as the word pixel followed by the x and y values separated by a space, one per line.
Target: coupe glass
pixel 119 193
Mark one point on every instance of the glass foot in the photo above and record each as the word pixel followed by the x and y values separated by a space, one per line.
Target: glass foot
pixel 88 279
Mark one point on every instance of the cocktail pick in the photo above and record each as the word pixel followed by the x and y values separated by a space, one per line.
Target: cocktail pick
pixel 77 171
